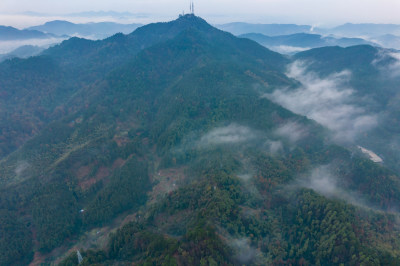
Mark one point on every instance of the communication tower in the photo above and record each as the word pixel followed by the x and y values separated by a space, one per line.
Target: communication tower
pixel 192 7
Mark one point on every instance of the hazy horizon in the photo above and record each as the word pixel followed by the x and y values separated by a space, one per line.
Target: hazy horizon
pixel 24 13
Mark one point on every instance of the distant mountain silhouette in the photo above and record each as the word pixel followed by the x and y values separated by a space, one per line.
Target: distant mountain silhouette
pixel 22 52
pixel 98 30
pixel 302 40
pixel 349 33
pixel 11 34
pixel 363 29
pixel 389 41
pixel 239 28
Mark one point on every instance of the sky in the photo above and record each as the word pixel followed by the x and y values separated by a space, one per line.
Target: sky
pixel 312 12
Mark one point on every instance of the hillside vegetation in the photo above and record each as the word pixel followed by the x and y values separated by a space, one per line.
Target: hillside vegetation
pixel 163 139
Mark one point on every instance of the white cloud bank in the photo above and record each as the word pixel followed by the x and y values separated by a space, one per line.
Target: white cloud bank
pixel 21 167
pixel 389 70
pixel 322 181
pixel 326 100
pixel 292 131
pixel 8 46
pixel 232 134
pixel 394 68
pixel 244 252
pixel 285 49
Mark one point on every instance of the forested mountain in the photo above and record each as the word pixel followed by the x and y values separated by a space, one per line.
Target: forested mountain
pixel 374 78
pixel 165 147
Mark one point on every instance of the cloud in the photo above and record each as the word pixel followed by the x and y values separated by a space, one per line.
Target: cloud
pixel 326 100
pixel 232 134
pixel 394 69
pixel 8 46
pixel 274 147
pixel 238 139
pixel 238 135
pixel 21 167
pixel 244 253
pixel 324 182
pixel 248 184
pixel 285 49
pixel 391 70
pixel 245 177
pixel 292 131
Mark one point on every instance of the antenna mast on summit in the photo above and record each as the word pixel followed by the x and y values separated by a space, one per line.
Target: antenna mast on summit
pixel 192 7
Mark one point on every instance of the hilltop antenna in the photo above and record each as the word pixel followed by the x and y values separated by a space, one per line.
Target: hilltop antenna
pixel 191 7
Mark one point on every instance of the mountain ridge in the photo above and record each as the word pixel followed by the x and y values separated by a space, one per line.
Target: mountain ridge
pixel 304 40
pixel 8 33
pixel 97 30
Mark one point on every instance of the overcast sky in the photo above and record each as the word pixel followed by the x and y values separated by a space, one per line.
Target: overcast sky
pixel 314 12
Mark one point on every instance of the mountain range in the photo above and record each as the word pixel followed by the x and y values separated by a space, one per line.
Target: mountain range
pixel 238 28
pixel 345 30
pixel 13 41
pixel 10 33
pixel 301 41
pixel 363 29
pixel 385 35
pixel 98 30
pixel 181 144
pixel 284 38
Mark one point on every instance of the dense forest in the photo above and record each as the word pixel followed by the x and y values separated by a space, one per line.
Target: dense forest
pixel 159 148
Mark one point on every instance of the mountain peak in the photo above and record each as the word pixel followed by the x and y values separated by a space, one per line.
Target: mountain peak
pixel 192 20
pixel 168 30
pixel 189 17
pixel 58 22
